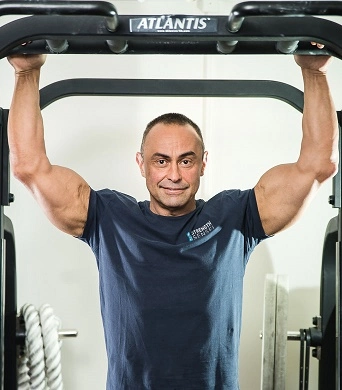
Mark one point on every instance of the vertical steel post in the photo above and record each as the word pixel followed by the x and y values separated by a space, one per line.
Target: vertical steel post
pixel 337 202
pixel 2 299
pixel 2 261
pixel 338 308
pixel 4 201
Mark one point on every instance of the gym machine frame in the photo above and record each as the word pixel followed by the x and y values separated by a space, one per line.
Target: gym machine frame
pixel 94 27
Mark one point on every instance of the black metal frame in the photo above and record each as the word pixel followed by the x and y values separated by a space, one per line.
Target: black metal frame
pixel 94 27
pixel 251 28
pixel 328 307
pixel 90 35
pixel 172 87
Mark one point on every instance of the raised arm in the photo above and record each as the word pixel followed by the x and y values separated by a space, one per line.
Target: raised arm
pixel 61 192
pixel 283 192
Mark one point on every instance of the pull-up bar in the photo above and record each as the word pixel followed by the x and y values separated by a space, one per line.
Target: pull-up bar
pixel 251 28
pixel 66 8
pixel 45 7
pixel 283 8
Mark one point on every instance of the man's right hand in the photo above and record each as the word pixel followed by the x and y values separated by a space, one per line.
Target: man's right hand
pixel 23 63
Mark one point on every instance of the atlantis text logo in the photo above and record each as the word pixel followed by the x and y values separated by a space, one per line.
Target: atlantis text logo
pixel 173 24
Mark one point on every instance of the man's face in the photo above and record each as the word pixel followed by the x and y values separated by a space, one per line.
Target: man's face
pixel 172 163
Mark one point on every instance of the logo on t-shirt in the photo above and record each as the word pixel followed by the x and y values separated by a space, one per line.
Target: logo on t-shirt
pixel 200 232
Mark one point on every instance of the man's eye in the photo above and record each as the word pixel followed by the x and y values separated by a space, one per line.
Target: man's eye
pixel 161 161
pixel 186 162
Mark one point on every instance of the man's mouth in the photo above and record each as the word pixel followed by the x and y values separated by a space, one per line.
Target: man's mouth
pixel 173 190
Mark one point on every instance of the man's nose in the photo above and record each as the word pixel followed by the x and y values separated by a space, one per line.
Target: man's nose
pixel 174 172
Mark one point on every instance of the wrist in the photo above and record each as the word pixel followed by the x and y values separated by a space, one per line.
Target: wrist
pixel 27 72
pixel 314 72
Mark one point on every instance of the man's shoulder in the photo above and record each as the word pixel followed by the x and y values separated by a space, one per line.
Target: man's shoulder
pixel 232 195
pixel 108 195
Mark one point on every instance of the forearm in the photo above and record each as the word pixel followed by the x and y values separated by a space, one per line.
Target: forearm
pixel 61 192
pixel 319 151
pixel 283 192
pixel 25 126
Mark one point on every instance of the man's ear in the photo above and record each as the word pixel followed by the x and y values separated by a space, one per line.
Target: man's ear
pixel 204 162
pixel 140 161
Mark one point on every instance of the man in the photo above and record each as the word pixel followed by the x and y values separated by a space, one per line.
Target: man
pixel 171 268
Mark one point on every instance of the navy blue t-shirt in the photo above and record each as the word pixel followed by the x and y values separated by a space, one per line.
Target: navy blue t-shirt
pixel 171 289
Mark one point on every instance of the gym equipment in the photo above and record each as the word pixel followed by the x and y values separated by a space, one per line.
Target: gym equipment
pixel 275 336
pixel 322 336
pixel 39 358
pixel 258 28
pixel 94 27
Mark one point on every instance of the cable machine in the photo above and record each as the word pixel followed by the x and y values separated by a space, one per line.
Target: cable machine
pixel 94 27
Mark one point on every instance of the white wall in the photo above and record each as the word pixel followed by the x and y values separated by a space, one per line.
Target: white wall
pixel 98 137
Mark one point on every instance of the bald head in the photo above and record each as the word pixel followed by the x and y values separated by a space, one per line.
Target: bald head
pixel 172 119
